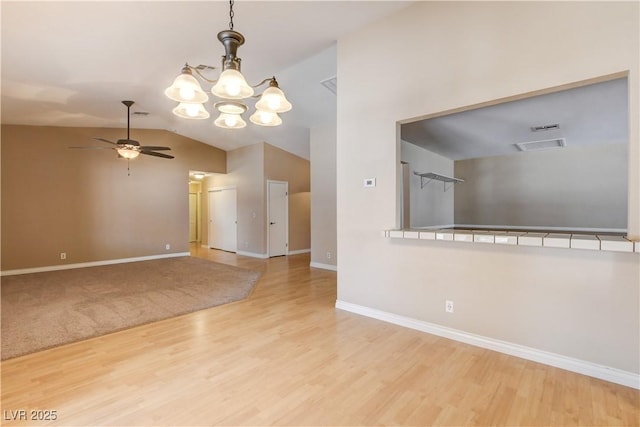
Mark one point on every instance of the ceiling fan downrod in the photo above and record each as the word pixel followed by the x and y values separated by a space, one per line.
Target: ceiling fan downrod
pixel 128 104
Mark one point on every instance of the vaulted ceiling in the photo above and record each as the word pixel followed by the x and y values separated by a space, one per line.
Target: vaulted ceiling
pixel 71 63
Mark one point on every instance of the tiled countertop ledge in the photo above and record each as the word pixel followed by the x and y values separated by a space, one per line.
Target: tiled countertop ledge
pixel 594 242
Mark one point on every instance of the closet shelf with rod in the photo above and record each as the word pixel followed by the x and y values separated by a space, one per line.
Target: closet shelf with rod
pixel 430 176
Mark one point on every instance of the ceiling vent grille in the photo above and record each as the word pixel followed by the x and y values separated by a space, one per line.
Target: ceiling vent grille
pixel 545 127
pixel 331 84
pixel 547 144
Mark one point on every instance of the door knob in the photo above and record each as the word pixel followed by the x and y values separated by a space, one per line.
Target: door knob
pixel 271 223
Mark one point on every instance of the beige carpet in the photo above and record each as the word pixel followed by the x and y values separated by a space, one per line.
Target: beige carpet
pixel 43 310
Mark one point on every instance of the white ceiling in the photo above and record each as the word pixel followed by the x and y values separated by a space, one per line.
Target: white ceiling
pixel 593 114
pixel 71 63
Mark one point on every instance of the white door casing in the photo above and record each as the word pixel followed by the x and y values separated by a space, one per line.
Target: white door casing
pixel 223 225
pixel 277 218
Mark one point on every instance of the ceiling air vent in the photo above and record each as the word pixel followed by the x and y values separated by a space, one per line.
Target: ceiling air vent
pixel 546 144
pixel 331 84
pixel 545 127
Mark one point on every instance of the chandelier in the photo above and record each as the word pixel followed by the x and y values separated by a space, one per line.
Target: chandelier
pixel 231 87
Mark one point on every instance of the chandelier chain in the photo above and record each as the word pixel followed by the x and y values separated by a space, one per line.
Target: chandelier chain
pixel 231 14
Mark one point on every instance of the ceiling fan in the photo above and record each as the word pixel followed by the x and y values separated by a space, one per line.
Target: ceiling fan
pixel 129 148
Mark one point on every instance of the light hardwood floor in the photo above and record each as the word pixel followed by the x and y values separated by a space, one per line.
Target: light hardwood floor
pixel 286 356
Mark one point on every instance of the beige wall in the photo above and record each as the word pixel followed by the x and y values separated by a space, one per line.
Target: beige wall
pixel 576 187
pixel 323 195
pixel 82 202
pixel 249 168
pixel 300 221
pixel 430 205
pixel 579 304
pixel 280 165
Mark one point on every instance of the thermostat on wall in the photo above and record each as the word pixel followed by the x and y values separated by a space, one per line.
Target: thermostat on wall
pixel 369 182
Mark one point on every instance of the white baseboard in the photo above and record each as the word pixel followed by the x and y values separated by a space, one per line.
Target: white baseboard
pixel 299 251
pixel 583 367
pixel 324 267
pixel 252 254
pixel 89 264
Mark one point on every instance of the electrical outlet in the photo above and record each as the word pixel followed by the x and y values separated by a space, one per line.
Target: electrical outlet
pixel 167 246
pixel 448 306
pixel 63 255
pixel 328 255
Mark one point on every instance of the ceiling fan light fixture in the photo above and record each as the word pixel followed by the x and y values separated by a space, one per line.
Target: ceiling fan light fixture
pixel 191 111
pixel 128 153
pixel 186 88
pixel 130 148
pixel 265 118
pixel 230 121
pixel 273 99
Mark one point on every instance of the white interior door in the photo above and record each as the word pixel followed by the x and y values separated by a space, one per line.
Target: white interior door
pixel 193 217
pixel 278 217
pixel 223 213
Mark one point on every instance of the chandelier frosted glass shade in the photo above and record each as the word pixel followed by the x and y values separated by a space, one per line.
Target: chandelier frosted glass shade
pixel 185 88
pixel 230 107
pixel 191 111
pixel 273 100
pixel 128 153
pixel 265 118
pixel 230 121
pixel 232 85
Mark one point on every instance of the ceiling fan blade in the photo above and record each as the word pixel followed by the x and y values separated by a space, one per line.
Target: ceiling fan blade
pixel 153 153
pixel 154 148
pixel 105 140
pixel 93 148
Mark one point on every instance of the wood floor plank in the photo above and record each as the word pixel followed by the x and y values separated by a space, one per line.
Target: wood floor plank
pixel 286 356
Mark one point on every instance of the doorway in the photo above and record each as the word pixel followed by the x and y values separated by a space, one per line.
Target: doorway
pixel 277 217
pixel 223 224
pixel 195 210
pixel 194 217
